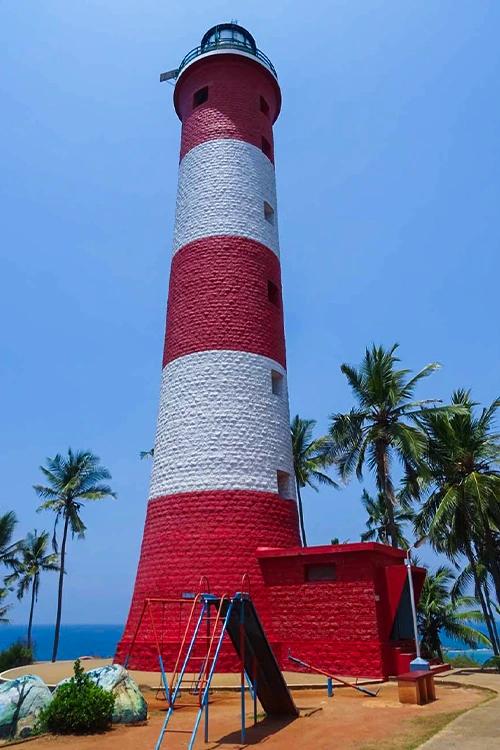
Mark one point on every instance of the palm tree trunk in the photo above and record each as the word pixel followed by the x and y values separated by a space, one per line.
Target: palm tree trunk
pixel 385 487
pixel 478 590
pixel 301 517
pixel 60 589
pixel 32 608
pixel 492 559
pixel 479 595
pixel 439 650
pixel 492 617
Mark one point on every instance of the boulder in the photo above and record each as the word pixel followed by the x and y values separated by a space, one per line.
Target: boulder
pixel 21 701
pixel 130 705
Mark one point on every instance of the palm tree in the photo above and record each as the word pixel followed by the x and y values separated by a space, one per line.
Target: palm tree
pixel 477 579
pixel 35 559
pixel 437 614
pixel 461 512
pixel 8 548
pixel 382 427
pixel 71 480
pixel 309 461
pixel 378 524
pixel 4 607
pixel 8 555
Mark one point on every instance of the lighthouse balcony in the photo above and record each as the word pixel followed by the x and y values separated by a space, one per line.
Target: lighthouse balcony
pixel 224 38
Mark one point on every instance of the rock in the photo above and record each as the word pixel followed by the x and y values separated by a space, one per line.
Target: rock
pixel 21 701
pixel 130 705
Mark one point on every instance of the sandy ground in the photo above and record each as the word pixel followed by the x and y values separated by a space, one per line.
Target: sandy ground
pixel 349 720
pixel 52 673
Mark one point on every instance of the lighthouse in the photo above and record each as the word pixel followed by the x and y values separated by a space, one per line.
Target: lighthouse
pixel 222 514
pixel 222 481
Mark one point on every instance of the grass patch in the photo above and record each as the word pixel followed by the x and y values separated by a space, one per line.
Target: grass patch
pixel 419 731
pixel 462 660
pixel 422 728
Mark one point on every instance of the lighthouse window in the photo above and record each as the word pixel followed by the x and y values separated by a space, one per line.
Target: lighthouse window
pixel 266 147
pixel 320 573
pixel 264 106
pixel 268 212
pixel 200 97
pixel 276 383
pixel 273 294
pixel 283 479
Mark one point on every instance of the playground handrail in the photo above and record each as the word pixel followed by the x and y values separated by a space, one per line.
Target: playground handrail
pixel 196 601
pixel 205 665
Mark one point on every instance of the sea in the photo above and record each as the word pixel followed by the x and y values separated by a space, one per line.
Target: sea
pixel 75 640
pixel 101 640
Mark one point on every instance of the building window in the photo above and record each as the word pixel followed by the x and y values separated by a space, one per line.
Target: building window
pixel 273 294
pixel 283 480
pixel 200 97
pixel 266 147
pixel 320 572
pixel 268 212
pixel 264 106
pixel 276 383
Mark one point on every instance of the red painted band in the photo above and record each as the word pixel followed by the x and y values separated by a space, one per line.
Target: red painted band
pixel 215 533
pixel 219 299
pixel 233 108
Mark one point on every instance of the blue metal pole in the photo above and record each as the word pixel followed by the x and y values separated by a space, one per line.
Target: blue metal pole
pixel 206 691
pixel 249 683
pixel 181 675
pixel 164 679
pixel 242 652
pixel 206 720
pixel 329 687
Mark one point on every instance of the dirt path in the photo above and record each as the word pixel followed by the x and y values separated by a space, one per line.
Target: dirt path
pixel 475 730
pixel 349 720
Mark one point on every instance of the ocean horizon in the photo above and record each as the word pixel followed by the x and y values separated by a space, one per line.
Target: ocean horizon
pixel 100 641
pixel 75 640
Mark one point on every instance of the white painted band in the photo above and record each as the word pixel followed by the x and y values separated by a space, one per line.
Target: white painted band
pixel 223 185
pixel 220 426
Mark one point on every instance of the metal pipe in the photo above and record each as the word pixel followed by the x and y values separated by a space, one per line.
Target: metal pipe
pixel 242 654
pixel 412 601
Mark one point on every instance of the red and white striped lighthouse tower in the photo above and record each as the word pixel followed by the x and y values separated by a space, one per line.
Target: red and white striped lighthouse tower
pixel 222 482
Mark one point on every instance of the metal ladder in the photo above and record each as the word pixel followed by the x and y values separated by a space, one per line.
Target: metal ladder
pixel 201 684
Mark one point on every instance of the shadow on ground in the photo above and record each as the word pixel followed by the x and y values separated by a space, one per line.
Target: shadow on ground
pixel 254 733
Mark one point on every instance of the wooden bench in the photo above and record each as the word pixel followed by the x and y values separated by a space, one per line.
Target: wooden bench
pixel 416 687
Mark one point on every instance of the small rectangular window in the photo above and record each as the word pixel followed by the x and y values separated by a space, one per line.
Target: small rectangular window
pixel 264 106
pixel 266 147
pixel 273 293
pixel 283 480
pixel 319 572
pixel 200 97
pixel 268 212
pixel 276 383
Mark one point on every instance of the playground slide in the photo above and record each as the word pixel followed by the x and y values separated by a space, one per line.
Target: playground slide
pixel 271 688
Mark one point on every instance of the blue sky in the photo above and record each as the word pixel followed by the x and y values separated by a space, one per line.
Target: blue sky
pixel 388 164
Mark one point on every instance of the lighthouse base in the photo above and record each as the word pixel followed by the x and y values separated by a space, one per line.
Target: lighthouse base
pixel 343 607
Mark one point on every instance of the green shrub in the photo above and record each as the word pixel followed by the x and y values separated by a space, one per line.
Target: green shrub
pixel 16 655
pixel 492 663
pixel 79 706
pixel 462 660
